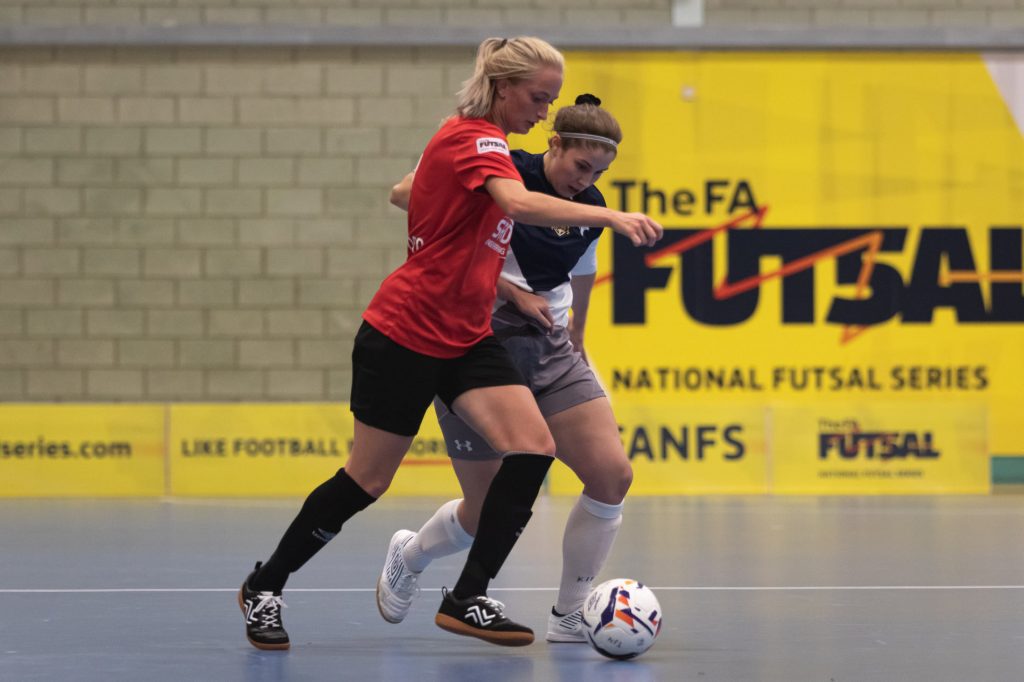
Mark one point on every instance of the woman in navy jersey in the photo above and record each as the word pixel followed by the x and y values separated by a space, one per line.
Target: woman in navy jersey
pixel 427 332
pixel 546 272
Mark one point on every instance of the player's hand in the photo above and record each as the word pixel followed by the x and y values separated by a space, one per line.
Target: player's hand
pixel 637 227
pixel 583 354
pixel 534 307
pixel 576 339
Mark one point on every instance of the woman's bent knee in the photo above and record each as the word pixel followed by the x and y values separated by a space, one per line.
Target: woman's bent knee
pixel 612 483
pixel 372 483
pixel 535 444
pixel 625 480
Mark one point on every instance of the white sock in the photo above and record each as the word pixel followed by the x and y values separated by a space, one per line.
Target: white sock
pixel 589 534
pixel 440 536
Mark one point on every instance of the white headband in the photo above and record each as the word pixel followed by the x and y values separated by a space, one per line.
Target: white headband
pixel 588 136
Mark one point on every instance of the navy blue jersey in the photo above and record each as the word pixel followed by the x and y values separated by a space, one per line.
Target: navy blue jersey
pixel 541 258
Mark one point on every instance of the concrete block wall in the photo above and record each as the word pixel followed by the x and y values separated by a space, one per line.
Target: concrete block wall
pixel 338 12
pixel 208 223
pixel 498 13
pixel 865 13
pixel 188 225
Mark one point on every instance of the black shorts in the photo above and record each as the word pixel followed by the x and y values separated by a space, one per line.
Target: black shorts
pixel 392 386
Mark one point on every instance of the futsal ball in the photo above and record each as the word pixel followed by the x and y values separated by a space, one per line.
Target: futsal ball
pixel 621 618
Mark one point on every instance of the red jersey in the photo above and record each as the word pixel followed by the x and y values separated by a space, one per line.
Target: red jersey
pixel 439 301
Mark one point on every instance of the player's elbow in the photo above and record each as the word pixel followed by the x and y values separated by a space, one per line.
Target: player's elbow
pixel 398 197
pixel 516 207
pixel 511 197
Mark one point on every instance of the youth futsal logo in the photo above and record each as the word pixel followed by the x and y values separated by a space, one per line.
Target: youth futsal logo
pixel 491 144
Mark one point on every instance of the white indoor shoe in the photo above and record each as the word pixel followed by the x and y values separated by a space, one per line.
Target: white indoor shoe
pixel 397 586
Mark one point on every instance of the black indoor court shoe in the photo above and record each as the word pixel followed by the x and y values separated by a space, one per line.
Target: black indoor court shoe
pixel 262 611
pixel 480 617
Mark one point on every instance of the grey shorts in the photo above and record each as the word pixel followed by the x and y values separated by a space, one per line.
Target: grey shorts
pixel 554 371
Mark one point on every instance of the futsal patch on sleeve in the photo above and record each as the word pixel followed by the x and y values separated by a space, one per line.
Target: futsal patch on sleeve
pixel 491 144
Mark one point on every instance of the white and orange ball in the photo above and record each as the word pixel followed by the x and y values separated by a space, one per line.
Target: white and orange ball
pixel 621 618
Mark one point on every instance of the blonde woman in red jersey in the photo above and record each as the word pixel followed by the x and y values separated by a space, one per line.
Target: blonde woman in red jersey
pixel 427 332
pixel 547 273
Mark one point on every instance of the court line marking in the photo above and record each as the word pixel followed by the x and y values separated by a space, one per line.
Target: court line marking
pixel 844 505
pixel 722 588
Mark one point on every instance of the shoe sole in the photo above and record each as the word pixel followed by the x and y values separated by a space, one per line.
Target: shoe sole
pixel 381 608
pixel 450 624
pixel 564 639
pixel 260 645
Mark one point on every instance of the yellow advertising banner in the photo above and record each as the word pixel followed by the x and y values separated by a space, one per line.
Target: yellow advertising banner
pixel 286 450
pixel 81 450
pixel 879 448
pixel 840 228
pixel 260 450
pixel 681 449
pixel 843 245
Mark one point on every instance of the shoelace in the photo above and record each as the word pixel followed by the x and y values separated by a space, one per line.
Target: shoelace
pixel 495 605
pixel 408 586
pixel 269 608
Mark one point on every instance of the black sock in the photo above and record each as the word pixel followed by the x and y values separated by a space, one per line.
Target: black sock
pixel 335 501
pixel 505 512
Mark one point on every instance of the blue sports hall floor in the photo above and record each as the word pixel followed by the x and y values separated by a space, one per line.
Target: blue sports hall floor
pixel 753 588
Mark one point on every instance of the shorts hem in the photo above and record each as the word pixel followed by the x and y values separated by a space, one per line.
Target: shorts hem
pixel 386 425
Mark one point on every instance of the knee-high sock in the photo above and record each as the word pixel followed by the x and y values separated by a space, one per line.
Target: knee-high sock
pixel 440 536
pixel 334 502
pixel 589 534
pixel 505 512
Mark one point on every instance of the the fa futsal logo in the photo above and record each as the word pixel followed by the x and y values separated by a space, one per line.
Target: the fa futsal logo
pixel 846 440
